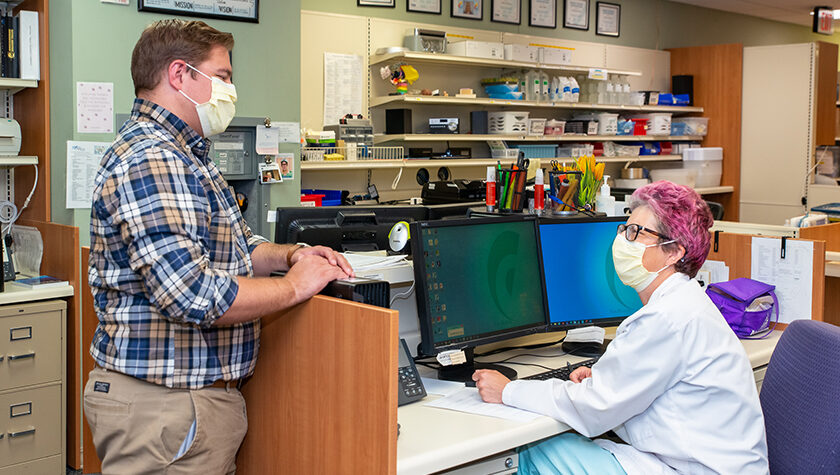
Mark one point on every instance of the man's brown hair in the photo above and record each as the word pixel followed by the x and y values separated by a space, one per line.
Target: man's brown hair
pixel 167 40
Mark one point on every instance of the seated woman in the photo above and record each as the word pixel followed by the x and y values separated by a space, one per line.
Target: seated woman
pixel 675 384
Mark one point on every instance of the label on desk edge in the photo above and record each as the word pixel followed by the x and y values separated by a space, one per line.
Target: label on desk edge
pixel 451 357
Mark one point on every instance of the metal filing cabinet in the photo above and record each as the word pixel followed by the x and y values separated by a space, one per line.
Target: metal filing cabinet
pixel 32 388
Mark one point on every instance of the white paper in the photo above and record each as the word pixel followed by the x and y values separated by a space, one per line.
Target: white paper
pixel 267 140
pixel 95 107
pixel 82 164
pixel 718 271
pixel 792 276
pixel 342 86
pixel 364 262
pixel 543 13
pixel 288 132
pixel 468 400
pixel 441 387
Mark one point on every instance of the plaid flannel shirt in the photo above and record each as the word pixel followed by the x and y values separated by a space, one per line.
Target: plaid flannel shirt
pixel 167 244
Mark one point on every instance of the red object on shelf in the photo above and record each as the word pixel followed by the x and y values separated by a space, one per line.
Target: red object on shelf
pixel 666 148
pixel 598 149
pixel 312 199
pixel 640 126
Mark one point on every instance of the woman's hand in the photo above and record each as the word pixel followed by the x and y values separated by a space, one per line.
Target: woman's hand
pixel 490 384
pixel 580 374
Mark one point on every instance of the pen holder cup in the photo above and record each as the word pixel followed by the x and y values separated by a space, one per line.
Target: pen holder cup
pixel 510 190
pixel 562 185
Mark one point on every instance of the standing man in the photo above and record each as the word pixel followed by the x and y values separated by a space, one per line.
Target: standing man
pixel 178 278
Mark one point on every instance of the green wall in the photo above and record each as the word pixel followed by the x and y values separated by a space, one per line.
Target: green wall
pixel 656 24
pixel 92 41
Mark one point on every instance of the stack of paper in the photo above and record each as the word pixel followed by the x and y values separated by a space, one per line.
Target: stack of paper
pixel 365 262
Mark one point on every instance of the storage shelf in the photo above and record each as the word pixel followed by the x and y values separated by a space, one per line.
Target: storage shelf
pixel 715 190
pixel 486 101
pixel 13 161
pixel 377 139
pixel 333 165
pixel 14 85
pixel 15 293
pixel 491 63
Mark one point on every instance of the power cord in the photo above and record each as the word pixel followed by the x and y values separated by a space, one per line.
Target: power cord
pixel 9 213
pixel 403 295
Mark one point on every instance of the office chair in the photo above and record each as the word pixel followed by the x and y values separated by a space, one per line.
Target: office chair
pixel 716 209
pixel 799 398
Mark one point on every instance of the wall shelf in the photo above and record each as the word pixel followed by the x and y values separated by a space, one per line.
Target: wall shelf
pixel 13 161
pixel 486 101
pixel 14 85
pixel 486 62
pixel 469 162
pixel 377 139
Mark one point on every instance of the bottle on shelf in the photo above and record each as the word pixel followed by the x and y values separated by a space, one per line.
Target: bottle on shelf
pixel 545 87
pixel 555 89
pixel 604 202
pixel 575 89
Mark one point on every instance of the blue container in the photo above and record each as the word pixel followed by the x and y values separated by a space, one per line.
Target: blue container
pixel 331 197
pixel 501 88
pixel 679 128
pixel 538 151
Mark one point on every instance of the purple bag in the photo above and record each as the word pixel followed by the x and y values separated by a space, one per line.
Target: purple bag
pixel 734 297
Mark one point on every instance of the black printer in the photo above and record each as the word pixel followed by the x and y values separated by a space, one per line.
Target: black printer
pixel 440 192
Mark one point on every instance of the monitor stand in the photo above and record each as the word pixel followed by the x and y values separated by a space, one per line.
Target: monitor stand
pixel 587 349
pixel 463 372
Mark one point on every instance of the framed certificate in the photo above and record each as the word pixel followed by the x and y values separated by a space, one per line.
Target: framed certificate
pixel 376 3
pixel 576 14
pixel 507 11
pixel 543 13
pixel 608 21
pixel 423 6
pixel 242 10
pixel 471 9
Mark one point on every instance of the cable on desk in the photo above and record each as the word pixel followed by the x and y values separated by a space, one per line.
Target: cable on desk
pixel 528 364
pixel 524 347
pixel 403 295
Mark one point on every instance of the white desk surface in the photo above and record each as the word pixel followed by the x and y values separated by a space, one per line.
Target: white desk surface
pixel 433 439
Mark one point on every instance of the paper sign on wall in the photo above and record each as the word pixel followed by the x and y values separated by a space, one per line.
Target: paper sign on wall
pixel 82 164
pixel 792 275
pixel 95 107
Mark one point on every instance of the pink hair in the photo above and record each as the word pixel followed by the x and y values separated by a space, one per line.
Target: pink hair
pixel 683 216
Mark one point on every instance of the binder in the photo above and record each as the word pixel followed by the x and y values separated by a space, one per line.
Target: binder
pixel 29 54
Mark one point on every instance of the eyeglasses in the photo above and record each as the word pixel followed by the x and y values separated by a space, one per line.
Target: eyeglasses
pixel 631 232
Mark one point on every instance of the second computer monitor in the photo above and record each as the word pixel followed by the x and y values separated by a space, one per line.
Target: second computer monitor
pixel 581 284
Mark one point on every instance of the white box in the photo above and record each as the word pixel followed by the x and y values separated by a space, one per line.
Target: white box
pixel 29 51
pixel 553 55
pixel 477 49
pixel 524 53
pixel 707 163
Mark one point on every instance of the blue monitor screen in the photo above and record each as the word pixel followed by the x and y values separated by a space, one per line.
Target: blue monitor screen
pixel 582 286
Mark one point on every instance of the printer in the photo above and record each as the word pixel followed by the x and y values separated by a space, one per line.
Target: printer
pixel 457 191
pixel 9 137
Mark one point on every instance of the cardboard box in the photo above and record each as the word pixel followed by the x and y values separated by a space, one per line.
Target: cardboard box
pixel 557 56
pixel 477 49
pixel 528 54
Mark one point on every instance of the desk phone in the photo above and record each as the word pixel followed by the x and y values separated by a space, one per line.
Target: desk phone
pixel 411 387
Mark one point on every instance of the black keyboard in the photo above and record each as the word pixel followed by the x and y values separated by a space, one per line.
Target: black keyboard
pixel 564 372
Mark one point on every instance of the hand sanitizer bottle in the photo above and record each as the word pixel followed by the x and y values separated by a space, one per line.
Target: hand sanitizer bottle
pixel 604 202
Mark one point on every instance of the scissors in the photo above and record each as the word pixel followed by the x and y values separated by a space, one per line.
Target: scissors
pixel 556 165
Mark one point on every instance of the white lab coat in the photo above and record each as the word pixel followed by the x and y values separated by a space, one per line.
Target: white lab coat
pixel 675 384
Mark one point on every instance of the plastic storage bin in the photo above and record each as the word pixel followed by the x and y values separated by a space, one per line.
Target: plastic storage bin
pixel 538 151
pixel 536 126
pixel 693 125
pixel 607 123
pixel 658 124
pixel 328 197
pixel 555 127
pixel 507 122
pixel 680 176
pixel 707 163
pixel 508 153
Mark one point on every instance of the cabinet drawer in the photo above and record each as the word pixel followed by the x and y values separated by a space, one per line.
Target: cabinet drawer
pixel 47 466
pixel 30 345
pixel 30 423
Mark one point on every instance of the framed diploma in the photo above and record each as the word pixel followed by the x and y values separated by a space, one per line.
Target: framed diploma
pixel 507 11
pixel 376 3
pixel 608 21
pixel 241 10
pixel 423 6
pixel 576 14
pixel 543 13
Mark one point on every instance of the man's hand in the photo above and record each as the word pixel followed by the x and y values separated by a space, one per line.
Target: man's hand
pixel 490 384
pixel 580 374
pixel 310 274
pixel 330 255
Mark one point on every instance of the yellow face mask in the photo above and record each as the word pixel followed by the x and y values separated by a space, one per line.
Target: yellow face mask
pixel 627 258
pixel 215 115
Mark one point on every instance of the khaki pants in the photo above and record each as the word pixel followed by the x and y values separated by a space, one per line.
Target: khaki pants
pixel 138 427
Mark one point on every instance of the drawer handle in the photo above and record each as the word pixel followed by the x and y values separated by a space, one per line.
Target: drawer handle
pixel 22 433
pixel 20 333
pixel 31 354
pixel 22 409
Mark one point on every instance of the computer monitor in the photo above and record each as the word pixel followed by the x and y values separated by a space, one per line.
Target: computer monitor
pixel 582 287
pixel 477 281
pixel 343 228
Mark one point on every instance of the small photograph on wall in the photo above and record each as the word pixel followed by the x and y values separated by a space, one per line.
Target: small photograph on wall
pixel 270 173
pixel 471 9
pixel 286 162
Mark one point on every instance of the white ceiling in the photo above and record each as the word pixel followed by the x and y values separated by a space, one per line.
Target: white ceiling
pixel 790 11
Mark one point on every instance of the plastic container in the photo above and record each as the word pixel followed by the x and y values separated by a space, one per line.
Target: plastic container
pixel 510 190
pixel 507 153
pixel 315 199
pixel 680 176
pixel 607 123
pixel 678 128
pixel 658 123
pixel 693 125
pixel 555 127
pixel 328 197
pixel 536 126
pixel 539 151
pixel 507 122
pixel 640 125
pixel 707 163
